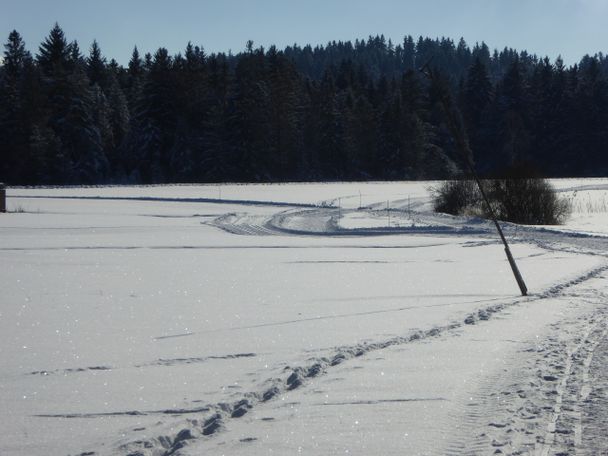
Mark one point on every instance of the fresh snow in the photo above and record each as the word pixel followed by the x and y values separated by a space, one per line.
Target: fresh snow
pixel 338 318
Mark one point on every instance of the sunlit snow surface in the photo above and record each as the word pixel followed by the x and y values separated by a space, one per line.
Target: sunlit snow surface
pixel 297 318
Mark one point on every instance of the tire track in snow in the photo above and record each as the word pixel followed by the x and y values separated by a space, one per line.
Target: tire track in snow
pixel 586 388
pixel 540 407
pixel 565 429
pixel 594 413
pixel 537 408
pixel 560 393
pixel 242 224
pixel 486 422
pixel 324 222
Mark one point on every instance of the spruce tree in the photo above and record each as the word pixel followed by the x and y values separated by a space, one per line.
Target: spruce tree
pixel 83 128
pixel 286 140
pixel 249 117
pixel 96 66
pixel 153 131
pixel 477 100
pixel 54 53
pixel 15 56
pixel 477 93
pixel 512 100
pixel 14 116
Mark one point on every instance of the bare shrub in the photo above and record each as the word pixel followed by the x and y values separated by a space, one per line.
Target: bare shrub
pixel 456 197
pixel 528 201
pixel 519 197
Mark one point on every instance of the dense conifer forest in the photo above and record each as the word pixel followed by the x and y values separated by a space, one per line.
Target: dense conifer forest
pixel 342 111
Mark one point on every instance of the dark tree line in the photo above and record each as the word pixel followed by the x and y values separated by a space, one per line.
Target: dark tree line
pixel 340 111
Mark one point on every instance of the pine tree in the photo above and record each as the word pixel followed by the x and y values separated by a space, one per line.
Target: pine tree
pixel 249 117
pixel 591 117
pixel 82 130
pixel 513 111
pixel 72 114
pixel 391 147
pixel 191 105
pixel 14 121
pixel 286 142
pixel 415 128
pixel 54 53
pixel 119 118
pixel 15 56
pixel 332 131
pixel 477 98
pixel 154 121
pixel 216 157
pixel 76 61
pixel 477 94
pixel 96 66
pixel 463 54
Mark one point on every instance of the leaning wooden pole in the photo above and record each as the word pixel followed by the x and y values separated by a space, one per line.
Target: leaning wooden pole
pixel 457 131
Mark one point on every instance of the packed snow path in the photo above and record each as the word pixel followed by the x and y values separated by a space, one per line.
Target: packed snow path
pixel 281 319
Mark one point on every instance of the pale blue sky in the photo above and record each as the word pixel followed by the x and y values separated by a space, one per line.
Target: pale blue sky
pixel 571 28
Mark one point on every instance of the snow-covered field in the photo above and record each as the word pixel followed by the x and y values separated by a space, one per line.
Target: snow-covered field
pixel 301 318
